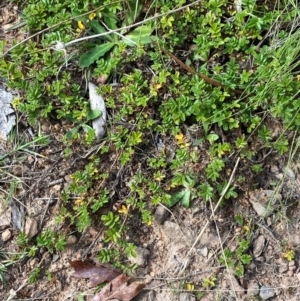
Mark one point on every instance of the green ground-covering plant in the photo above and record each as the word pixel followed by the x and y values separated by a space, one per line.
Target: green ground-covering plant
pixel 237 259
pixel 4 264
pixel 251 52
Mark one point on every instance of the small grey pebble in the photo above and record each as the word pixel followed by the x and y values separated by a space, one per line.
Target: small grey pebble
pixel 282 266
pixel 274 169
pixel 203 251
pixel 266 292
pixel 292 263
pixel 161 214
pixel 141 257
pixel 6 235
pixel 71 240
pixel 290 273
pixel 187 297
pixel 253 289
pixel 288 171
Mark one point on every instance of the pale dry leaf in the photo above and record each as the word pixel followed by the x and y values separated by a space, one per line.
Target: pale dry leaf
pixel 97 102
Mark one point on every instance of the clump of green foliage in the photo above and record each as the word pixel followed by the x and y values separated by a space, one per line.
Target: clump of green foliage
pixel 237 259
pixel 237 48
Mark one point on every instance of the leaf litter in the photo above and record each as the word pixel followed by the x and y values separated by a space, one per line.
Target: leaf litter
pixel 119 286
pixel 97 274
pixel 118 289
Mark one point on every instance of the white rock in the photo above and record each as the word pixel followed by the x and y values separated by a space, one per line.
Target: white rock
pixel 161 214
pixel 56 187
pixel 292 265
pixel 258 245
pixel 264 201
pixel 279 176
pixel 172 231
pixel 5 216
pixel 141 257
pixel 274 169
pixel 233 283
pixel 187 297
pixel 266 292
pixel 31 227
pixel 289 173
pixel 283 266
pixel 7 114
pixel 290 273
pixel 148 279
pixel 6 235
pixel 71 240
pixel 253 289
pixel 33 262
pixel 203 251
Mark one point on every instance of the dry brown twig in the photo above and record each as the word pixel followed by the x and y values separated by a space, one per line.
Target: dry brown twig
pixel 209 80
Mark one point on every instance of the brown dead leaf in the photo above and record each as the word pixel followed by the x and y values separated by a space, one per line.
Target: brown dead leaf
pixel 118 289
pixel 95 273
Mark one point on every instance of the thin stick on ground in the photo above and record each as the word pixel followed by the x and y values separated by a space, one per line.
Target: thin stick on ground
pixel 45 212
pixel 207 223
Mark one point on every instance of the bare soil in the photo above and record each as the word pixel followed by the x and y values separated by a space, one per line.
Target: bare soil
pixel 183 248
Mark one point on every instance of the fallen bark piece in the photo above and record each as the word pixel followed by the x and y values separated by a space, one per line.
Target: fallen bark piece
pixel 118 289
pixel 95 273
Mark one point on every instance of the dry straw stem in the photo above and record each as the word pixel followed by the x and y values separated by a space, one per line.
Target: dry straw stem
pixel 211 216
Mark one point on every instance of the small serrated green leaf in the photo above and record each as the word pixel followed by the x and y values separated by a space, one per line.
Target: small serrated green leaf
pixel 212 138
pixel 71 118
pixel 176 198
pixel 186 198
pixel 97 28
pixel 93 114
pixel 110 20
pixel 72 132
pixel 87 128
pixel 94 54
pixel 142 35
pixel 245 258
pixel 133 12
